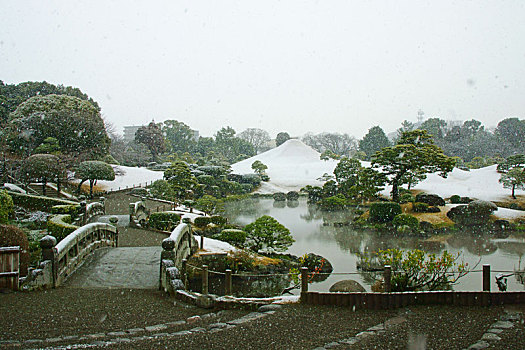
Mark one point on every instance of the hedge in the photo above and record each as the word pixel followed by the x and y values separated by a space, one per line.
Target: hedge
pixel 165 221
pixel 71 209
pixel 60 226
pixel 202 221
pixel 6 207
pixel 37 202
pixel 219 220
pixel 384 211
pixel 292 195
pixel 405 220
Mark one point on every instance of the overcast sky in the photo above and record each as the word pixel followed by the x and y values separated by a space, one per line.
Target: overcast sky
pixel 296 66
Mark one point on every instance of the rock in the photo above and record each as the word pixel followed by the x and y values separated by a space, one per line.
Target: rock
pixel 479 345
pixel 177 284
pixel 347 286
pixel 490 336
pixel 503 325
pixel 269 307
pixel 193 319
pixel 430 199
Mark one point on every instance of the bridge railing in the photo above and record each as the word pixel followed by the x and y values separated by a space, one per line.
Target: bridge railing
pixel 180 245
pixel 138 212
pixel 60 260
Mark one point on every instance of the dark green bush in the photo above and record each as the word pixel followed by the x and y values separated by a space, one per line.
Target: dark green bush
pixel 206 180
pixel 246 188
pixel 475 213
pixel 455 199
pixel 279 196
pixel 6 207
pixel 232 236
pixel 60 226
pixel 165 221
pixel 11 236
pixel 333 203
pixel 406 198
pixel 420 207
pixel 292 196
pixel 426 226
pixel 433 210
pixel 252 179
pixel 38 202
pixel 384 211
pixel 465 200
pixel 219 220
pixel 405 220
pixel 161 189
pixel 70 209
pixel 202 221
pixel 430 199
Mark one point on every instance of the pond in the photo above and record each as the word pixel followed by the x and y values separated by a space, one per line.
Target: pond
pixel 314 232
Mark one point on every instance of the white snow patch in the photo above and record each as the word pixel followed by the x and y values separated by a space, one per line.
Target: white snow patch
pixel 214 246
pixel 14 188
pixel 132 177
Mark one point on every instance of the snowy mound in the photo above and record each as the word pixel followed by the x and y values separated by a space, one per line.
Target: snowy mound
pixel 291 166
pixel 129 177
pixel 478 183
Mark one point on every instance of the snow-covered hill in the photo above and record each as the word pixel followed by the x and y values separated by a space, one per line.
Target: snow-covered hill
pixel 128 177
pixel 293 165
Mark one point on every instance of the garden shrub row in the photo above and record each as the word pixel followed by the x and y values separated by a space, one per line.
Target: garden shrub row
pixel 232 236
pixel 60 226
pixel 6 206
pixel 165 221
pixel 37 202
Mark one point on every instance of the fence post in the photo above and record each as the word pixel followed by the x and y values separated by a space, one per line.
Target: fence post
pixel 202 241
pixel 184 273
pixel 204 279
pixel 228 282
pixel 387 276
pixel 486 278
pixel 304 279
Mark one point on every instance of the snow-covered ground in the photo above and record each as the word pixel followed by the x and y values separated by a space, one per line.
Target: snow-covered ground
pixel 294 165
pixel 132 177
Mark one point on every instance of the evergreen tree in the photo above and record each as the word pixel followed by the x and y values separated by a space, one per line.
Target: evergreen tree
pixel 373 141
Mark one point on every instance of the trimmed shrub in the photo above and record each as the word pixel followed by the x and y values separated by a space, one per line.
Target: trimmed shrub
pixel 279 196
pixel 232 236
pixel 161 189
pixel 38 202
pixel 433 210
pixel 60 226
pixel 430 199
pixel 406 198
pixel 332 203
pixel 455 199
pixel 426 226
pixel 465 200
pixel 475 213
pixel 165 221
pixel 384 211
pixel 202 221
pixel 219 220
pixel 420 207
pixel 6 207
pixel 252 179
pixel 265 177
pixel 246 188
pixel 13 236
pixel 405 220
pixel 206 180
pixel 70 209
pixel 292 196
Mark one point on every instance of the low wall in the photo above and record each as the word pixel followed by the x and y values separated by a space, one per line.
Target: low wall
pixel 379 301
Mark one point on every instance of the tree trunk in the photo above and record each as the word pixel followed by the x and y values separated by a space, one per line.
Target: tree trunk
pixel 44 181
pixel 513 188
pixel 91 183
pixel 395 190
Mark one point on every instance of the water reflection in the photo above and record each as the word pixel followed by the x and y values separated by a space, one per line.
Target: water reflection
pixel 329 235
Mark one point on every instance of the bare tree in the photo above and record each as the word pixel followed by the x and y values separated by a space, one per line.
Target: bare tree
pixel 257 137
pixel 340 144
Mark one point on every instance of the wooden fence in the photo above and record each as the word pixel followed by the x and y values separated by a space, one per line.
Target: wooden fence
pixel 9 267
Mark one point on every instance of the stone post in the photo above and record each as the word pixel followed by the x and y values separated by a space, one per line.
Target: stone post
pixel 131 211
pixel 184 273
pixel 228 282
pixel 486 278
pixel 83 210
pixel 205 279
pixel 103 202
pixel 304 279
pixel 47 243
pixel 387 276
pixel 168 253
